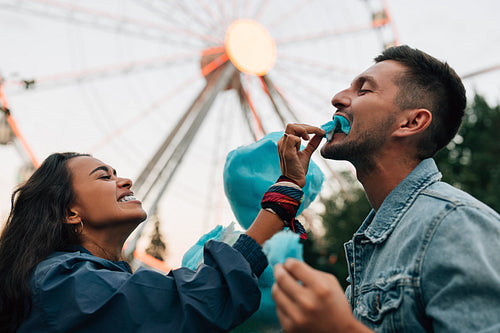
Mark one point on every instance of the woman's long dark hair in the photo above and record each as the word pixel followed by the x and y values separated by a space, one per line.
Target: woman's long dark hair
pixel 34 229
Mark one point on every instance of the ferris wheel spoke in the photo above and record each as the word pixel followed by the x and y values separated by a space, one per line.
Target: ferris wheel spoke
pixel 145 113
pixel 481 71
pixel 57 80
pixel 276 94
pixel 302 83
pixel 292 11
pixel 215 157
pixel 216 63
pixel 236 10
pixel 115 22
pixel 261 9
pixel 190 21
pixel 218 20
pixel 252 118
pixel 192 16
pixel 315 64
pixel 15 128
pixel 159 9
pixel 225 16
pixel 95 104
pixel 166 166
pixel 327 34
pixel 129 30
pixel 274 102
pixel 246 9
pixel 247 109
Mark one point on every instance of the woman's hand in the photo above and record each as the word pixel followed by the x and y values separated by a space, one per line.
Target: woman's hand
pixel 294 162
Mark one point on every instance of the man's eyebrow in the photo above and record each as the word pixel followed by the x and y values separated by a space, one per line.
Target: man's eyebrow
pixel 104 168
pixel 365 78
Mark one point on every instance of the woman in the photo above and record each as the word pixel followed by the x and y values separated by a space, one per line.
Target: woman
pixel 60 256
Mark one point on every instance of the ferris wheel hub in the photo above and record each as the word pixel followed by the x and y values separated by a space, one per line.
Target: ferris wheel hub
pixel 250 47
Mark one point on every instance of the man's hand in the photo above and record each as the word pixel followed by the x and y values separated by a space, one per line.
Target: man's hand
pixel 294 162
pixel 308 300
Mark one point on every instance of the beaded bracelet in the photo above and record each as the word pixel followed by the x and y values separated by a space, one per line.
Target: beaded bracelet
pixel 284 199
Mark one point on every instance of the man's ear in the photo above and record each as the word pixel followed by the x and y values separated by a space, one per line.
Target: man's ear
pixel 73 217
pixel 413 121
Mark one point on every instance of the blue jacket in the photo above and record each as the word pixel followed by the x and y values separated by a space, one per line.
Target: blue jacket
pixel 427 261
pixel 77 292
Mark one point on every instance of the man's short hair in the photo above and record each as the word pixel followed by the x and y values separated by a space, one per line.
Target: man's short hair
pixel 431 84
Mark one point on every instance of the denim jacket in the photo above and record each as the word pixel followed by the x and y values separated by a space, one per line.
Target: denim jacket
pixel 427 261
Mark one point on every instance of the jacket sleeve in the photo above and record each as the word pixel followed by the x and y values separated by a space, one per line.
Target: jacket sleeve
pixel 461 272
pixel 83 296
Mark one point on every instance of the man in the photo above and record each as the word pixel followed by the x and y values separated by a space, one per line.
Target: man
pixel 426 257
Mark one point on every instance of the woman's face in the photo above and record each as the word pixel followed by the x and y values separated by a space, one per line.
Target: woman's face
pixel 102 200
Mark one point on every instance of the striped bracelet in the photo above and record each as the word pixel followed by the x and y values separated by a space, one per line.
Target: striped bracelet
pixel 284 199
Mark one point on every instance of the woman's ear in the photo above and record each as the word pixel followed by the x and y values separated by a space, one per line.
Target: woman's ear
pixel 73 217
pixel 413 121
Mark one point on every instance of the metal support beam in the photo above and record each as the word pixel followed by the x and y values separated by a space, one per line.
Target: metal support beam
pixel 156 176
pixel 276 97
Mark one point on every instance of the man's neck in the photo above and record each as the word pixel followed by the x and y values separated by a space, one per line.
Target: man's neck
pixel 383 176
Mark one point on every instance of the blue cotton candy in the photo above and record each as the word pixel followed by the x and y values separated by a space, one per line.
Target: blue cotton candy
pixel 338 125
pixel 248 173
pixel 250 170
pixel 283 245
pixel 194 255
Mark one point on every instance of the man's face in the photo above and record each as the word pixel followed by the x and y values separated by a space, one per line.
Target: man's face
pixel 368 104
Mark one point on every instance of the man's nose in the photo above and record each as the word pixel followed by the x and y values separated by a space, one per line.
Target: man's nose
pixel 341 99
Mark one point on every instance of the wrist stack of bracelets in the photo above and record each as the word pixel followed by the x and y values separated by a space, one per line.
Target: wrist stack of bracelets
pixel 284 199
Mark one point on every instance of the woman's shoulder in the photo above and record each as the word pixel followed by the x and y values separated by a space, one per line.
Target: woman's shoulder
pixel 73 261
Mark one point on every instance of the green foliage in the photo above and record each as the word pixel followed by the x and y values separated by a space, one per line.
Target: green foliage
pixel 471 161
pixel 344 213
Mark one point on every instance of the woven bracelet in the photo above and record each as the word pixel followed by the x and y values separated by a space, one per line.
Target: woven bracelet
pixel 284 199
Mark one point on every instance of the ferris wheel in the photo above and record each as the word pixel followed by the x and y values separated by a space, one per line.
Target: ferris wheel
pixel 163 90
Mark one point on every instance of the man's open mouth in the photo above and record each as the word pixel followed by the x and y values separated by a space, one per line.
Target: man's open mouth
pixel 339 124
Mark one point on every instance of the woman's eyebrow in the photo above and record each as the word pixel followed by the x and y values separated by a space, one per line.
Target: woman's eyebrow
pixel 104 168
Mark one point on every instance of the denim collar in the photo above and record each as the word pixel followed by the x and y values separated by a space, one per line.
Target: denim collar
pixel 379 225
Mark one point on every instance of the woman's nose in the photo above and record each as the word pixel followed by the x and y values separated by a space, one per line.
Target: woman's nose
pixel 341 100
pixel 124 182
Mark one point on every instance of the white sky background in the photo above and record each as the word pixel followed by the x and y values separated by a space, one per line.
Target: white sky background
pixel 74 116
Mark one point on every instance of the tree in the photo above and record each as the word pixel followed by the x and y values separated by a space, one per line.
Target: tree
pixel 157 247
pixel 471 161
pixel 344 212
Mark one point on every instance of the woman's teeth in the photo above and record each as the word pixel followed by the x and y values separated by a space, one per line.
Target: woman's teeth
pixel 127 198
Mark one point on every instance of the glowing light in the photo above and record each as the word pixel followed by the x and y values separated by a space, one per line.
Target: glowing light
pixel 250 47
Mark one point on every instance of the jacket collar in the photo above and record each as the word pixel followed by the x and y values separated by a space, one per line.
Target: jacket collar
pixel 78 248
pixel 379 225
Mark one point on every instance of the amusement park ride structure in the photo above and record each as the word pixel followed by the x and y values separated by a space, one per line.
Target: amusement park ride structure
pixel 239 48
